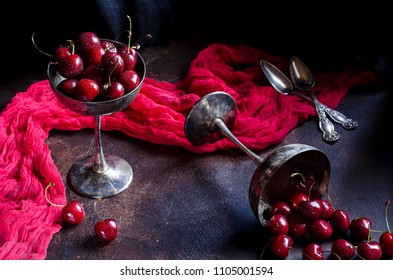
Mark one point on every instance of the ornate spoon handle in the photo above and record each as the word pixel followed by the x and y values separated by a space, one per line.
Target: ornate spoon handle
pixel 335 115
pixel 325 125
pixel 340 118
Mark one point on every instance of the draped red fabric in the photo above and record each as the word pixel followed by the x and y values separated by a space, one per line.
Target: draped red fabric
pixel 28 222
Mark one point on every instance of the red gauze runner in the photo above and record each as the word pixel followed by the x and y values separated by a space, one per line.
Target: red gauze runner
pixel 28 222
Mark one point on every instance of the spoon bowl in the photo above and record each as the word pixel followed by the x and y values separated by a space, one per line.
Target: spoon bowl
pixel 301 76
pixel 277 79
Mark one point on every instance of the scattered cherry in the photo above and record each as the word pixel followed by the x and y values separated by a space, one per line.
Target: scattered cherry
pixel 298 226
pixel 360 228
pixel 105 229
pixel 280 245
pixel 72 213
pixel 342 249
pixel 313 251
pixel 321 230
pixel 280 207
pixel 340 221
pixel 310 209
pixel 386 238
pixel 369 250
pixel 278 224
pixel 327 209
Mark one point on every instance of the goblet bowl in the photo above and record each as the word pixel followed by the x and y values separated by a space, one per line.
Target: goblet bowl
pixel 96 107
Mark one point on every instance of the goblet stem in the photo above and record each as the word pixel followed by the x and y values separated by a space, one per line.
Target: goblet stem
pixel 219 124
pixel 99 165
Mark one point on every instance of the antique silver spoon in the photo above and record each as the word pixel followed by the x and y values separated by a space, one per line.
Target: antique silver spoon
pixel 304 80
pixel 282 84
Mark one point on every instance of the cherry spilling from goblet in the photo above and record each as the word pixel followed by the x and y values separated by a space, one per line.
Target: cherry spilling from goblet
pixel 210 120
pixel 99 175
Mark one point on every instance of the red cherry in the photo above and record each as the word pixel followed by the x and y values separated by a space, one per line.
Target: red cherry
pixel 129 56
pixel 302 182
pixel 295 200
pixel 73 213
pixel 298 226
pixel 129 79
pixel 369 250
pixel 310 209
pixel 280 246
pixel 112 63
pixel 67 86
pixel 386 238
pixel 327 209
pixel 86 90
pixel 321 230
pixel 340 221
pixel 112 90
pixel 386 242
pixel 93 73
pixel 108 46
pixel 360 228
pixel 342 249
pixel 85 41
pixel 61 52
pixel 93 56
pixel 106 229
pixel 70 66
pixel 313 251
pixel 281 207
pixel 278 224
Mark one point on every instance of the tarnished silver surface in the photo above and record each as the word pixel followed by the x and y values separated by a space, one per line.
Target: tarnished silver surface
pixel 271 180
pixel 98 175
pixel 199 128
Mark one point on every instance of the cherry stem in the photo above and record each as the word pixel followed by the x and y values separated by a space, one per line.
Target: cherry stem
pixel 46 195
pixel 32 39
pixel 369 233
pixel 300 174
pixel 136 45
pixel 95 208
pixel 264 248
pixel 110 74
pixel 129 34
pixel 72 44
pixel 358 254
pixel 387 203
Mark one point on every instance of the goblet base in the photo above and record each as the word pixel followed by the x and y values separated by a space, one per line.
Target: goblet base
pixel 116 178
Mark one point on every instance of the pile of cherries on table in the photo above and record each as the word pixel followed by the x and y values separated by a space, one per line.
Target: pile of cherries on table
pixel 312 222
pixel 95 69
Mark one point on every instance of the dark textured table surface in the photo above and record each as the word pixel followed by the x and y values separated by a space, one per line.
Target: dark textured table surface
pixel 183 205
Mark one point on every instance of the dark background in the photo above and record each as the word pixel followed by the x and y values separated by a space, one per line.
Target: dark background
pixel 325 35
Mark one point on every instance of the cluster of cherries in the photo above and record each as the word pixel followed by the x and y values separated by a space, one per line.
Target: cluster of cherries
pixel 73 213
pixel 314 220
pixel 95 69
